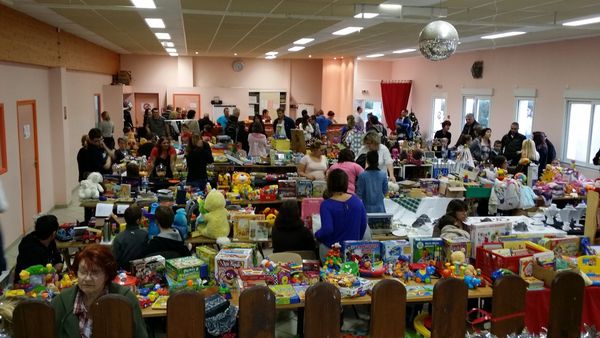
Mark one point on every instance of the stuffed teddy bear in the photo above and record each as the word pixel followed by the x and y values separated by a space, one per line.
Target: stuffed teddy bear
pixel 216 224
pixel 241 183
pixel 180 222
pixel 90 187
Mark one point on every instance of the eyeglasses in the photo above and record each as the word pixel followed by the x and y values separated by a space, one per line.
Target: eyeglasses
pixel 91 274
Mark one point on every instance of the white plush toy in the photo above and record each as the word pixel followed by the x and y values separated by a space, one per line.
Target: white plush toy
pixel 393 186
pixel 90 187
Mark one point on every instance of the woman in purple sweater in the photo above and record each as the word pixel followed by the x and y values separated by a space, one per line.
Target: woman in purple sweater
pixel 343 215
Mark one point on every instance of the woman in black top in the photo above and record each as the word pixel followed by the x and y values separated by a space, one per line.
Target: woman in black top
pixel 198 156
pixel 289 232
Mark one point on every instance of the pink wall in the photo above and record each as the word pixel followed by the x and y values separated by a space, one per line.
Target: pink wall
pixel 338 87
pixel 368 76
pixel 215 77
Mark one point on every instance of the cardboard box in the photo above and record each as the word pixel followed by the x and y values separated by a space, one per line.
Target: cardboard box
pixel 241 225
pixel 485 232
pixel 184 268
pixel 394 249
pixel 304 188
pixel 568 246
pixel 318 188
pixel 285 294
pixel 425 250
pixel 547 275
pixel 149 270
pixel 228 263
pixel 431 186
pixel 362 251
pixel 457 245
pixel 207 254
pixel 286 189
pixel 252 246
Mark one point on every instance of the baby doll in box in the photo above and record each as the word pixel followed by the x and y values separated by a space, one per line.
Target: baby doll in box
pixel 216 224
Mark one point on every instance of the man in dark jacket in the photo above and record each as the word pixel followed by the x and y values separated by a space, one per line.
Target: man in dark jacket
pixel 168 243
pixel 512 143
pixel 288 124
pixel 131 243
pixel 39 247
pixel 471 127
pixel 236 129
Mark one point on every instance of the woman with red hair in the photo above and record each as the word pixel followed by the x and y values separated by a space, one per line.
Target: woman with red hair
pixel 95 268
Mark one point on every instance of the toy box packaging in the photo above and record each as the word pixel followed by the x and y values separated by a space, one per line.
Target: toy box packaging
pixel 457 245
pixel 318 188
pixel 568 246
pixel 285 294
pixel 259 230
pixel 184 268
pixel 286 188
pixel 207 254
pixel 228 262
pixel 149 270
pixel 431 186
pixel 253 276
pixel 304 188
pixel 361 251
pixel 251 246
pixel 301 291
pixel 425 250
pixel 394 249
pixel 485 232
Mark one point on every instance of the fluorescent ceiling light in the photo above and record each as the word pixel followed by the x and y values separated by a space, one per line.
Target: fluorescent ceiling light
pixel 171 50
pixel 163 36
pixel 393 7
pixel 173 54
pixel 582 22
pixel 366 15
pixel 295 48
pixel 167 44
pixel 270 57
pixel 402 51
pixel 143 3
pixel 501 35
pixel 303 41
pixel 155 23
pixel 271 53
pixel 374 55
pixel 347 30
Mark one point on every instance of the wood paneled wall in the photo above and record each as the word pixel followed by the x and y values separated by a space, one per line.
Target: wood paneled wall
pixel 24 39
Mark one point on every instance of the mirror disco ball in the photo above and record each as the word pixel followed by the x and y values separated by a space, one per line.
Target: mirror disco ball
pixel 438 40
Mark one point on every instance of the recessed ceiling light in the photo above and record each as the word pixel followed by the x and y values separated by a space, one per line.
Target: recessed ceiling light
pixel 155 23
pixel 309 55
pixel 234 54
pixel 347 30
pixel 374 55
pixel 271 53
pixel 171 50
pixel 359 58
pixel 296 48
pixel 582 22
pixel 173 54
pixel 393 7
pixel 270 57
pixel 501 35
pixel 196 53
pixel 143 3
pixel 335 58
pixel 167 44
pixel 342 58
pixel 163 36
pixel 366 15
pixel 402 51
pixel 303 41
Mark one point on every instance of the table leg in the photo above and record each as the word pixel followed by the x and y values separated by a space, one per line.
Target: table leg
pixel 300 322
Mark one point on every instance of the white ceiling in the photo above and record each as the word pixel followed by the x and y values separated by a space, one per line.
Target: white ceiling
pixel 251 28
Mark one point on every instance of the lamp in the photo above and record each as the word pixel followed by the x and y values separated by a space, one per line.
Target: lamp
pixel 438 40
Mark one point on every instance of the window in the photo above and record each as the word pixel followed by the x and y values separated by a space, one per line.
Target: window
pixel 525 110
pixel 479 106
pixel 439 114
pixel 3 166
pixel 582 118
pixel 372 107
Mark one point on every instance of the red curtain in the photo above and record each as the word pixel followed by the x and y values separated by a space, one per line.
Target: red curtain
pixel 394 95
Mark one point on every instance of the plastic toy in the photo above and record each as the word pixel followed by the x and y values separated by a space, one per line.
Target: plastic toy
pixel 501 273
pixel 501 173
pixel 181 223
pixel 333 260
pixel 224 291
pixel 472 282
pixel 423 275
pixel 401 268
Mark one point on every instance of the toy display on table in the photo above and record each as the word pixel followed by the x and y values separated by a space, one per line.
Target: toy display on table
pixel 349 285
pixel 333 259
pixel 228 262
pixel 185 268
pixel 401 268
pixel 286 189
pixel 126 280
pixel 423 272
pixel 39 282
pixel 368 256
pixel 590 265
pixel 425 250
pixel 149 270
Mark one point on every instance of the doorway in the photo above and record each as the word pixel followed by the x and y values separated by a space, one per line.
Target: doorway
pixel 97 108
pixel 143 101
pixel 30 169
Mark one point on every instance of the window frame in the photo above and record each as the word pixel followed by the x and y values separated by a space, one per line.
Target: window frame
pixel 566 124
pixel 434 126
pixel 3 159
pixel 477 98
pixel 528 98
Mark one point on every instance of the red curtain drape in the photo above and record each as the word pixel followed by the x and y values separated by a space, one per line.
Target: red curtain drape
pixel 394 95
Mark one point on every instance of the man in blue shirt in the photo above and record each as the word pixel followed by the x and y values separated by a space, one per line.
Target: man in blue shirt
pixel 323 122
pixel 224 119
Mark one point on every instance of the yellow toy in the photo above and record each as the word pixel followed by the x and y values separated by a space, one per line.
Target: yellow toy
pixel 24 276
pixel 15 293
pixel 216 224
pixel 66 282
pixel 224 181
pixel 270 215
pixel 241 183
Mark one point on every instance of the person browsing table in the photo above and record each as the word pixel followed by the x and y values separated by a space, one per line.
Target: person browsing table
pixel 314 165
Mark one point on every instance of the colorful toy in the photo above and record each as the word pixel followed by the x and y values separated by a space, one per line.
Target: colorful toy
pixel 401 268
pixel 423 275
pixel 224 291
pixel 241 182
pixel 217 225
pixel 270 215
pixel 500 174
pixel 472 282
pixel 181 223
pixel 333 260
pixel 501 273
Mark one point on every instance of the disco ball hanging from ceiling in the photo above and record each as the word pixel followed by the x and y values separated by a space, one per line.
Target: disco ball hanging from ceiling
pixel 438 40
